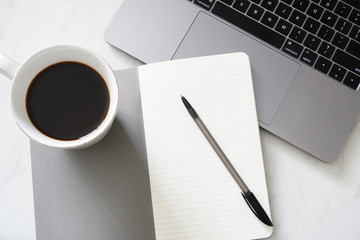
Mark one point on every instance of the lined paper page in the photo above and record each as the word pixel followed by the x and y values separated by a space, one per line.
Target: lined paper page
pixel 193 194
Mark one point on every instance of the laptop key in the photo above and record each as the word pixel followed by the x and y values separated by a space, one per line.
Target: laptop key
pixel 355 33
pixel 241 5
pixel 308 57
pixel 355 16
pixel 297 18
pixel 283 27
pixel 255 12
pixel 326 33
pixel 207 4
pixel 340 41
pixel 242 21
pixel 352 80
pixel 269 4
pixel 312 42
pixel 269 19
pixel 337 72
pixel 329 4
pixel 326 49
pixel 346 60
pixel 283 10
pixel 311 25
pixel 329 18
pixel 315 11
pixel 354 3
pixel 323 65
pixel 292 48
pixel 343 26
pixel 298 34
pixel 343 10
pixel 354 48
pixel 301 4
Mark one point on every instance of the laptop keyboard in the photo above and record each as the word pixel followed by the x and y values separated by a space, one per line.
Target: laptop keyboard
pixel 324 34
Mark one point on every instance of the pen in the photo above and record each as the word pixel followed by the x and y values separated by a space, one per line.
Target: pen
pixel 249 197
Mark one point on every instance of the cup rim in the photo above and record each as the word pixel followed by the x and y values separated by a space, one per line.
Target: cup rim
pixel 27 126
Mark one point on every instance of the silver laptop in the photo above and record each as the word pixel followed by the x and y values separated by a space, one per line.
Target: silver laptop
pixel 305 56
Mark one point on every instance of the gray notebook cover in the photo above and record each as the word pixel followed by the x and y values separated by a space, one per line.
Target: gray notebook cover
pixel 101 192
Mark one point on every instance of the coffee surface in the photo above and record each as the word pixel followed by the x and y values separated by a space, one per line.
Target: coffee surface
pixel 67 100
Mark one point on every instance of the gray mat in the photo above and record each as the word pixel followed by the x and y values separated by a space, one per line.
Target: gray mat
pixel 101 192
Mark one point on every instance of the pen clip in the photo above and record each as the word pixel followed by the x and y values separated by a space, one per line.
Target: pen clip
pixel 257 209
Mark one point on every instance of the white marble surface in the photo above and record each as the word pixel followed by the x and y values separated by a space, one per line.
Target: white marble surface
pixel 309 199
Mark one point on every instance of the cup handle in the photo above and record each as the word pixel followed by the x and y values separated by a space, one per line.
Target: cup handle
pixel 8 67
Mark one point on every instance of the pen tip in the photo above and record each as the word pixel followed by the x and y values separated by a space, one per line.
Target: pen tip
pixel 257 209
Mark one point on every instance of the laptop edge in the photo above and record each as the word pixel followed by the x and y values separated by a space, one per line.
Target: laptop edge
pixel 315 113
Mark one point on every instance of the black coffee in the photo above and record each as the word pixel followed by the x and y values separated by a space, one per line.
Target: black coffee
pixel 67 100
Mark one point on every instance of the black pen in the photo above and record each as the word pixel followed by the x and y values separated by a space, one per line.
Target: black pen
pixel 247 194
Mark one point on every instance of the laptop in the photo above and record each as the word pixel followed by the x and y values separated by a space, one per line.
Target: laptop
pixel 305 56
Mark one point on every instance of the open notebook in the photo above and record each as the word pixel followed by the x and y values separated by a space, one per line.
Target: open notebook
pixel 193 194
pixel 103 192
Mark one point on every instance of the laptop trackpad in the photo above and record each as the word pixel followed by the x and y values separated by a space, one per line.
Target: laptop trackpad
pixel 272 72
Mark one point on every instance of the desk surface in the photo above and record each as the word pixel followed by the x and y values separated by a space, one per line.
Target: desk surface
pixel 309 199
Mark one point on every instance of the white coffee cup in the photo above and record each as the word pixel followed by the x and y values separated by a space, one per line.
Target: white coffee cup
pixel 22 76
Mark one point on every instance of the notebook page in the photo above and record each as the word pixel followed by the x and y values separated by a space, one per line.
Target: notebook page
pixel 193 194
